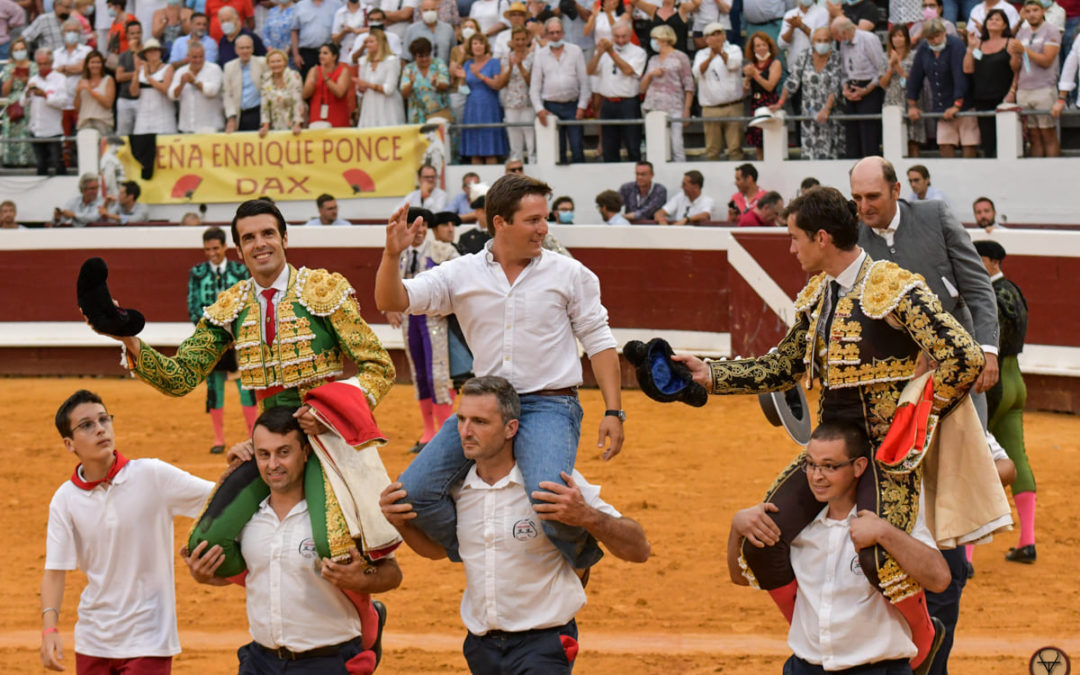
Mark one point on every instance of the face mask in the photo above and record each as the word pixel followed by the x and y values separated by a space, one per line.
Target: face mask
pixel 467 32
pixel 936 48
pixel 71 38
pixel 761 57
pixel 566 217
pixel 806 3
pixel 929 13
pixel 19 54
pixel 1045 4
pixel 63 16
pixel 429 16
pixel 556 43
pixel 112 13
pixel 822 48
pixel 654 44
pixel 228 27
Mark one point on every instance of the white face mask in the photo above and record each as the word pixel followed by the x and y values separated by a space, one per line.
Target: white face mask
pixel 822 48
pixel 19 54
pixel 467 32
pixel 429 16
pixel 761 56
pixel 71 38
pixel 228 27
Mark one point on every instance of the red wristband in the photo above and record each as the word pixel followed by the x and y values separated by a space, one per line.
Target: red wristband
pixel 54 629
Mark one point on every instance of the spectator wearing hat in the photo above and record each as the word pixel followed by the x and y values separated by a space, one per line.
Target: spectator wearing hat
pixel 439 33
pixel 1035 85
pixel 718 73
pixel 939 60
pixel 560 86
pixel 472 241
pixel 608 203
pixel 690 206
pixel 618 65
pixel 515 15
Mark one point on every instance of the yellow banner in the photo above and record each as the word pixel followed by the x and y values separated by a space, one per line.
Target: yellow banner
pixel 205 168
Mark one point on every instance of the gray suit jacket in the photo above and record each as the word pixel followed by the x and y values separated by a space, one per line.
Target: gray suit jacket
pixel 931 241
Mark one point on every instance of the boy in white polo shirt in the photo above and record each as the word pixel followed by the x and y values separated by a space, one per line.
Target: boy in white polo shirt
pixel 114 520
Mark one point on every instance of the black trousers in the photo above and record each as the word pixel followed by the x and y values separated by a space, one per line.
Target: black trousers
pixel 797 666
pixel 250 119
pixel 987 129
pixel 616 136
pixel 309 58
pixel 863 138
pixel 946 605
pixel 49 155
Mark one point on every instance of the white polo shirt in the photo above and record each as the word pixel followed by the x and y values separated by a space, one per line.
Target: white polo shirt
pixel 612 82
pixel 515 578
pixel 288 603
pixel 721 83
pixel 680 206
pixel 121 537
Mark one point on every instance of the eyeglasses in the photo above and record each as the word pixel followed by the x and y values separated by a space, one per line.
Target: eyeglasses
pixel 105 421
pixel 426 176
pixel 827 469
pixel 515 169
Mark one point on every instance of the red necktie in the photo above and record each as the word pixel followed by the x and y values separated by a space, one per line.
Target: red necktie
pixel 271 319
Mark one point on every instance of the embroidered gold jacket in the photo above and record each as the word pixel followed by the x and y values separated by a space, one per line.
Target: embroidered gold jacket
pixel 877 332
pixel 318 322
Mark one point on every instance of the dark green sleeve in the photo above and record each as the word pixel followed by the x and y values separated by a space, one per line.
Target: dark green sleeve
pixel 195 358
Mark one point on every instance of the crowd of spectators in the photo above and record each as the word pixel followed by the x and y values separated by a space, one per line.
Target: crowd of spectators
pixel 275 65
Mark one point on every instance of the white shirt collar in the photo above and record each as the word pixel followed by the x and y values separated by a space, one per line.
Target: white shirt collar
pixel 846 279
pixel 299 507
pixel 822 517
pixel 475 482
pixel 281 284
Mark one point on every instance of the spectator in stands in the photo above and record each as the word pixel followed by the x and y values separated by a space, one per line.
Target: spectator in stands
pixel 83 13
pixel 156 113
pixel 683 19
pixel 939 60
pixel 240 95
pixel 761 78
pixel 862 63
pixel 81 209
pixel 281 96
pixel 816 78
pixel 992 73
pixel 894 82
pixel 328 212
pixel 488 14
pixel 69 60
pixel 458 91
pixel 798 29
pixel 350 20
pixel 127 104
pixel 985 213
pixel 603 18
pixel 562 211
pixel 1068 80
pixel 608 203
pixel 8 212
pixel 277 26
pixel 440 35
pixel 170 23
pixel 765 16
pixel 461 203
pixel 11 17
pixel 690 206
pixel 807 183
pixel 718 73
pixel 516 69
pixel 377 81
pixel 643 196
pixel 116 39
pixel 376 22
pixel 232 29
pixel 44 99
pixel 397 21
pixel 198 88
pixel 94 96
pixel 668 85
pixel 425 83
pixel 1053 14
pixel 312 29
pixel 513 165
pixel 765 212
pixel 481 73
pixel 245 16
pixel 515 16
pixel 327 88
pixel 127 208
pixel 448 12
pixel 748 193
pixel 980 11
pixel 428 195
pixel 14 76
pixel 1035 86
pixel 559 86
pixel 618 66
pixel 46 29
pixel 932 9
pixel 178 55
pixel 191 219
pixel 919 179
pixel 865 14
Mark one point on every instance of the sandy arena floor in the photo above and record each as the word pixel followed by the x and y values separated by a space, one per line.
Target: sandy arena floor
pixel 682 474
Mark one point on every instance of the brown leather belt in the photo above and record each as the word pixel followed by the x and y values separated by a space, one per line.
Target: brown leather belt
pixel 566 391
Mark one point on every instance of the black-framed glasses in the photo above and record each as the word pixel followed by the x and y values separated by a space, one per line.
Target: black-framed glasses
pixel 515 169
pixel 104 421
pixel 827 469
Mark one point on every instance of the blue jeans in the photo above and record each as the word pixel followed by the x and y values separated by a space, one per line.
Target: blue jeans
pixel 574 135
pixel 5 50
pixel 797 666
pixel 546 443
pixel 254 660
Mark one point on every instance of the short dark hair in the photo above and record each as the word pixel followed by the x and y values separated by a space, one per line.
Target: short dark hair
pixel 808 183
pixel 468 175
pixel 196 15
pixel 559 201
pixel 505 396
pixel 421 46
pixel 132 22
pixel 427 215
pixel 321 200
pixel 770 198
pixel 856 444
pixel 257 207
pixel 747 170
pixel 426 165
pixel 921 170
pixel 825 208
pixel 645 162
pixel 214 233
pixel 377 10
pixel 609 200
pixel 1006 33
pixel 984 199
pixel 132 188
pixel 280 420
pixel 334 49
pixel 63 413
pixel 695 177
pixel 504 197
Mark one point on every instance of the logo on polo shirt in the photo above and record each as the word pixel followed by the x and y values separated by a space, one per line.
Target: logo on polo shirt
pixel 856 568
pixel 525 530
pixel 307 549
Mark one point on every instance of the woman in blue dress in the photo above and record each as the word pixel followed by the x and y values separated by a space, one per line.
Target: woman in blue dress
pixel 482 103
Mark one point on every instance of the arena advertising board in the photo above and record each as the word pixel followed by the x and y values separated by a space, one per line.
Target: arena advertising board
pixel 214 168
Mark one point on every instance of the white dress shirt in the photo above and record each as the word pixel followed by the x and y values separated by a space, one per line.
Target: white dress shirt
pixel 200 111
pixel 560 79
pixel 840 619
pixel 515 578
pixel 612 82
pixel 288 603
pixel 62 58
pixel 721 83
pixel 435 202
pixel 524 332
pixel 680 206
pixel 46 113
pixel 813 18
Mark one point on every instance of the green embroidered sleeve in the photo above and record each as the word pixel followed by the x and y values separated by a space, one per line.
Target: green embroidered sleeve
pixel 195 358
pixel 376 370
pixel 779 369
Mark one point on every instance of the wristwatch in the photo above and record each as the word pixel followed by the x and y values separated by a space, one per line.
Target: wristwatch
pixel 616 413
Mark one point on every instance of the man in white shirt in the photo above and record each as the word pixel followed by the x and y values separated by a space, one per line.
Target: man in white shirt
pixel 429 195
pixel 798 26
pixel 618 66
pixel 690 206
pixel 718 73
pixel 299 614
pixel 522 310
pixel 45 97
pixel 328 212
pixel 840 620
pixel 919 179
pixel 69 60
pixel 198 88
pixel 520 595
pixel 560 87
pixel 114 520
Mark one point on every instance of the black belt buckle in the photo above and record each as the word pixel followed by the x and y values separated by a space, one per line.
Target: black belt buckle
pixel 284 653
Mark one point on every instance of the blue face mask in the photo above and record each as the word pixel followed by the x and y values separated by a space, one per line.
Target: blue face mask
pixel 1046 4
pixel 555 43
pixel 566 217
pixel 654 44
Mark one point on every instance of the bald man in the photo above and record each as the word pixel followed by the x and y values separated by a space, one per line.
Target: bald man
pixel 232 28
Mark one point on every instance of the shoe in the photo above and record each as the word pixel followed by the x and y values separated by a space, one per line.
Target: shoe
pixel 217 449
pixel 415 450
pixel 380 609
pixel 935 647
pixel 969 568
pixel 1024 554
